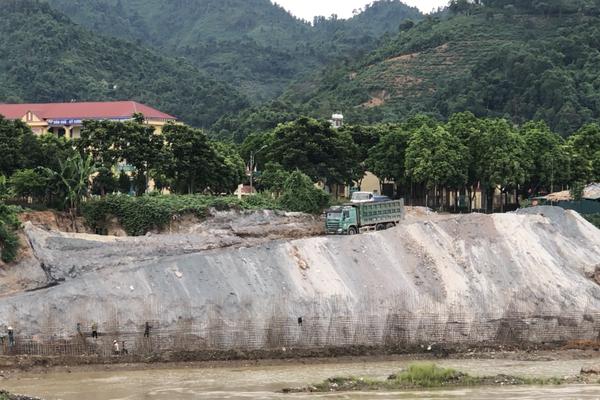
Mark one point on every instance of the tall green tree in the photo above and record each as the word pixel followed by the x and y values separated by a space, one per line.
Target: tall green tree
pixel 468 129
pixel 504 163
pixel 132 143
pixel 30 183
pixel 437 159
pixel 229 169
pixel 585 149
pixel 387 158
pixel 15 138
pixel 315 148
pixel 549 166
pixel 365 137
pixel 191 159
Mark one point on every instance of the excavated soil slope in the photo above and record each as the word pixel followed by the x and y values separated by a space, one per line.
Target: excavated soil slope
pixel 250 271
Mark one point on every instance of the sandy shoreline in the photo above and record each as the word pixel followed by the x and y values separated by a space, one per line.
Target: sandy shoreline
pixel 517 355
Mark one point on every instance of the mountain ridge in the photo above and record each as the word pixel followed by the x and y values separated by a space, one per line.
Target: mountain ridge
pixel 520 64
pixel 253 44
pixel 47 58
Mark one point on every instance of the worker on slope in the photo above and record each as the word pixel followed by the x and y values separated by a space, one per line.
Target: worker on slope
pixel 11 337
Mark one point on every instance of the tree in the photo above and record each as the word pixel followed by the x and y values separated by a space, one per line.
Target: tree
pixel 301 195
pixel 46 151
pixel 130 142
pixel 468 129
pixel 273 178
pixel 140 147
pixel 191 159
pixel 585 145
pixel 504 162
pixel 30 183
pixel 4 188
pixel 316 149
pixel 229 169
pixel 104 182
pixel 549 161
pixel 365 137
pixel 436 158
pixel 98 140
pixel 74 175
pixel 387 158
pixel 14 136
pixel 460 6
pixel 124 183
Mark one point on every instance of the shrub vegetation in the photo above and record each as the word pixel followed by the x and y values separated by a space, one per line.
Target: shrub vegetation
pixel 139 215
pixel 9 223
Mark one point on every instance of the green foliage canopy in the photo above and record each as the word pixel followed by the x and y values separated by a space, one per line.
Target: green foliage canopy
pixel 315 148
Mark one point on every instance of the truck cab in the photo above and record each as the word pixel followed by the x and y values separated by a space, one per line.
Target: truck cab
pixel 342 220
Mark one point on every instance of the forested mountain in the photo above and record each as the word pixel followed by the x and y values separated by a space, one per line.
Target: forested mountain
pixel 46 57
pixel 519 59
pixel 252 44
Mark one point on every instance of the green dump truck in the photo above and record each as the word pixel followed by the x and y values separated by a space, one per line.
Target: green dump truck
pixel 351 219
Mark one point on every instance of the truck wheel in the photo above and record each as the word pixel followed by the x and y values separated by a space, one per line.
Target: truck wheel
pixel 352 231
pixel 380 227
pixel 390 225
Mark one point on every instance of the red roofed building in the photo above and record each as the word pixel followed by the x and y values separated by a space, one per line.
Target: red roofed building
pixel 65 119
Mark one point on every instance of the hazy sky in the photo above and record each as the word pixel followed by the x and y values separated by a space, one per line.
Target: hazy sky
pixel 307 9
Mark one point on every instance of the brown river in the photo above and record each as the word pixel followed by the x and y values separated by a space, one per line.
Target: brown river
pixel 264 382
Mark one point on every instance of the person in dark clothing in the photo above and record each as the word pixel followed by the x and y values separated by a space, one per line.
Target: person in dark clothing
pixel 299 321
pixel 79 329
pixel 95 330
pixel 11 337
pixel 147 329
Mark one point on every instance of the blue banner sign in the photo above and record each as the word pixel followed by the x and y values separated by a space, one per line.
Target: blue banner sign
pixel 64 122
pixel 60 122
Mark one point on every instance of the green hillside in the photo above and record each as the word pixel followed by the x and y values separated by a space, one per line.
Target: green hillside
pixel 46 57
pixel 507 58
pixel 252 44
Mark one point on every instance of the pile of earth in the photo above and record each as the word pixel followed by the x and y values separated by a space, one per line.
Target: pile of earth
pixel 263 267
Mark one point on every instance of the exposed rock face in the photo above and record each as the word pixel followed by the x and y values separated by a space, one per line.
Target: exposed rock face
pixel 247 271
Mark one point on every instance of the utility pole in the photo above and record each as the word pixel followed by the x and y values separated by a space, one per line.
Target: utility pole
pixel 252 166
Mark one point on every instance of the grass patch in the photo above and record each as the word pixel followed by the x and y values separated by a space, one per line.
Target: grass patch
pixel 427 375
pixel 422 376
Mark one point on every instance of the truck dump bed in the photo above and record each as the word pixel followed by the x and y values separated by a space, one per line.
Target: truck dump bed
pixel 376 213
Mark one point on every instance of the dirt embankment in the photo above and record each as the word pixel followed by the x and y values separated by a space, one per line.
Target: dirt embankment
pixel 240 281
pixel 50 243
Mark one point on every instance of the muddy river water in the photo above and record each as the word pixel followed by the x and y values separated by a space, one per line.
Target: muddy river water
pixel 264 382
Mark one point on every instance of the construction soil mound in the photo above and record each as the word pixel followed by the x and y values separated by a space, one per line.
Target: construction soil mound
pixel 262 267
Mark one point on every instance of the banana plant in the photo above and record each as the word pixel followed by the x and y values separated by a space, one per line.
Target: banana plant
pixel 74 177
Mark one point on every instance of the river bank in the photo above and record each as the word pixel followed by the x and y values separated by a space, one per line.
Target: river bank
pixel 265 379
pixel 25 366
